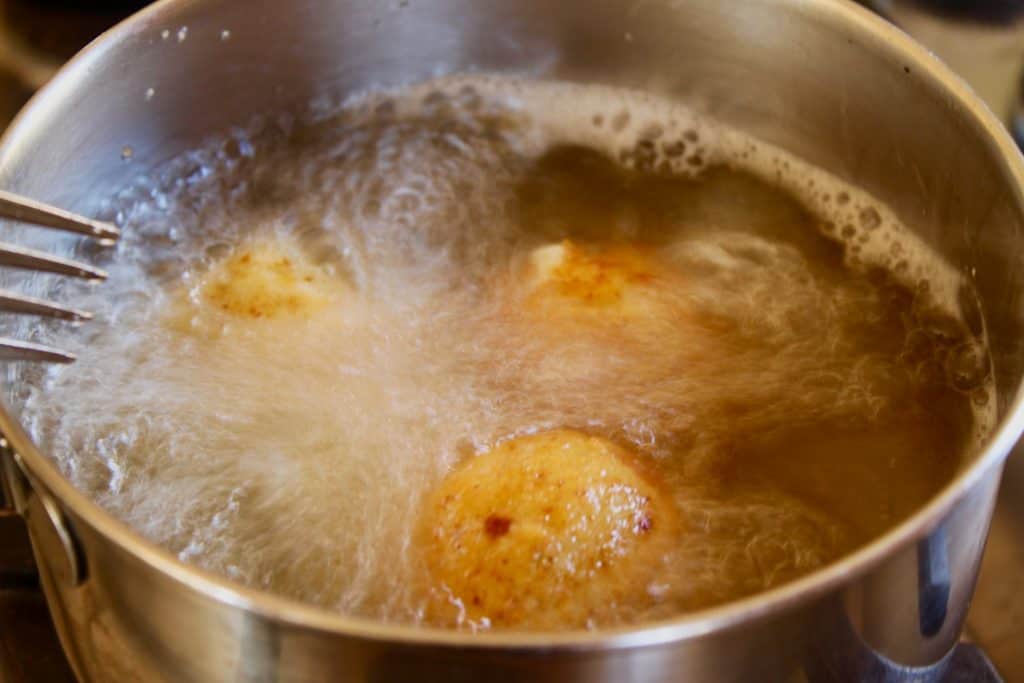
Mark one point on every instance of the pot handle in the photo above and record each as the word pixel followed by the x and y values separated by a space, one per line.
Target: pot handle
pixel 933 582
pixel 49 529
pixel 11 490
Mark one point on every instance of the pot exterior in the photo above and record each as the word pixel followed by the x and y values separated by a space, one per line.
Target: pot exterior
pixel 129 622
pixel 818 77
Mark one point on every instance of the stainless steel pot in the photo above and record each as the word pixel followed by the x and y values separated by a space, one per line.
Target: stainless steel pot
pixel 819 77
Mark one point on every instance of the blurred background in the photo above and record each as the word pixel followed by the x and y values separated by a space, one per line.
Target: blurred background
pixel 982 40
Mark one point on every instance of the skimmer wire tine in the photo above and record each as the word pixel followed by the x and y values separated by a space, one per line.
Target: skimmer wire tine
pixel 25 210
pixel 11 302
pixel 22 209
pixel 12 349
pixel 29 259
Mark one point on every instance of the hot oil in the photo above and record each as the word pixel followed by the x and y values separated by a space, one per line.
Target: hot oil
pixel 799 409
pixel 795 376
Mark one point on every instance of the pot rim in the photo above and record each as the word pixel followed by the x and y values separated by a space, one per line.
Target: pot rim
pixel 876 34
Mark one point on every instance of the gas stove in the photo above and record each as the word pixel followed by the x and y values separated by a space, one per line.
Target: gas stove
pixel 37 36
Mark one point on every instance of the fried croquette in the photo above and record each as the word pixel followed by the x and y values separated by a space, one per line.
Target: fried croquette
pixel 554 530
pixel 258 281
pixel 266 280
pixel 614 281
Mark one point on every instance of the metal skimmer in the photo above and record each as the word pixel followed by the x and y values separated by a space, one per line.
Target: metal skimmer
pixel 22 209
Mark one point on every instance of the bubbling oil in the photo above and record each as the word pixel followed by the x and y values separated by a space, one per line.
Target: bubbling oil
pixel 804 382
